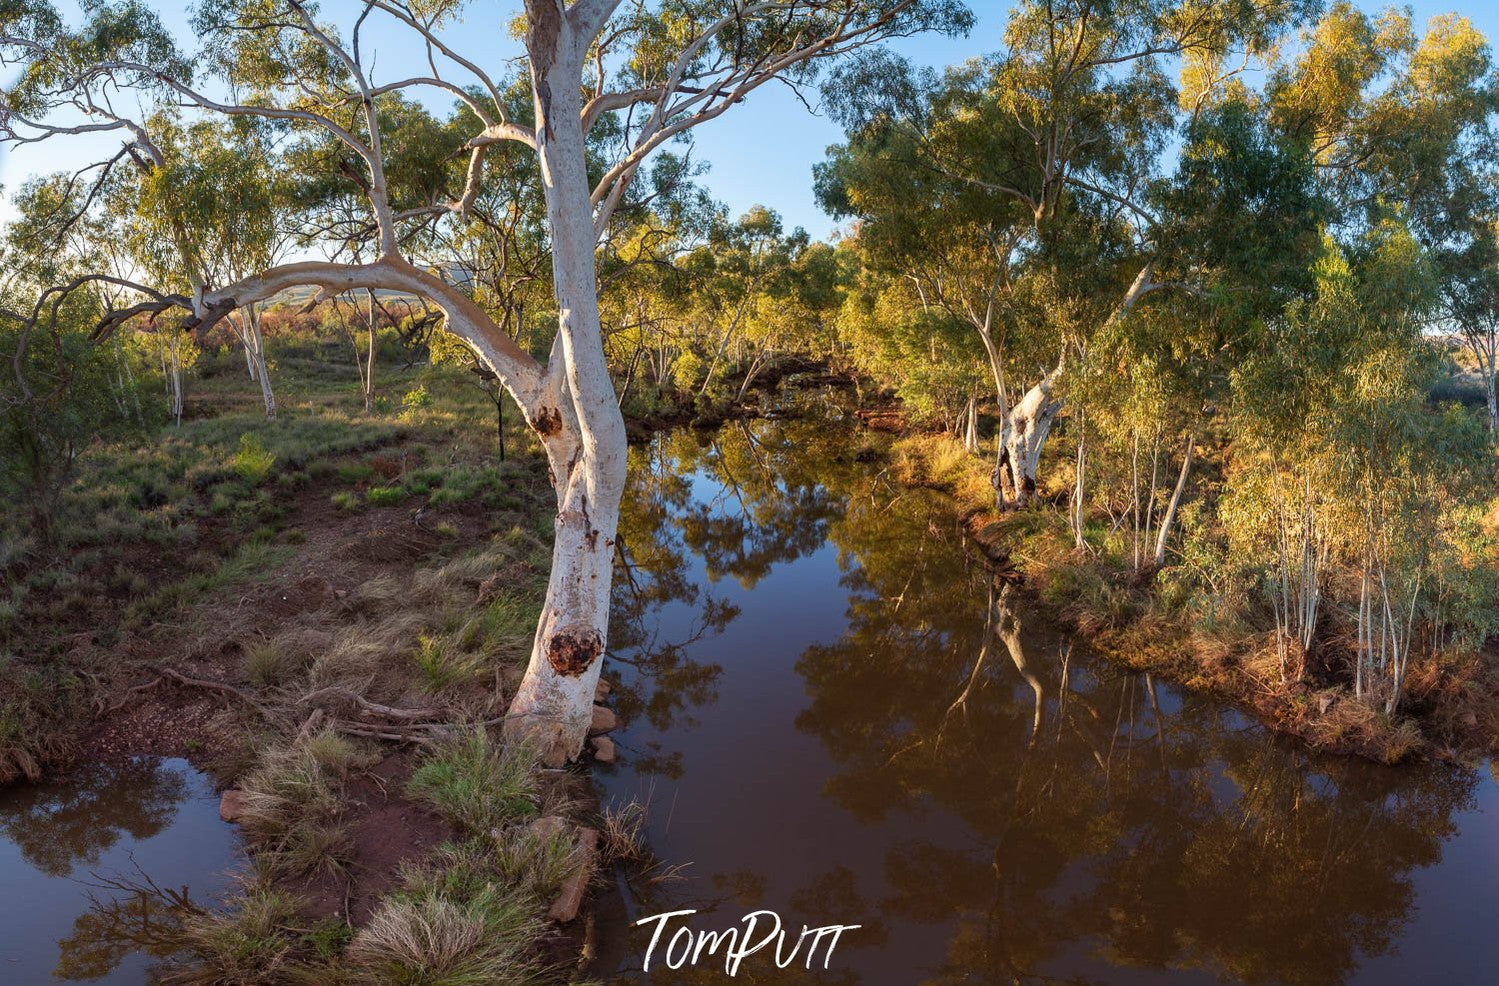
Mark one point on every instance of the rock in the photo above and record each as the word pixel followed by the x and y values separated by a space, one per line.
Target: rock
pixel 601 690
pixel 604 721
pixel 603 749
pixel 232 805
pixel 547 826
pixel 565 908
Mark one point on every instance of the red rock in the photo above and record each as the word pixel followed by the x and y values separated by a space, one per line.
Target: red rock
pixel 604 721
pixel 565 908
pixel 603 749
pixel 232 805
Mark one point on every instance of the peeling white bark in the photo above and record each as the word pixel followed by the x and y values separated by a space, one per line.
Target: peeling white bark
pixel 1025 431
pixel 584 433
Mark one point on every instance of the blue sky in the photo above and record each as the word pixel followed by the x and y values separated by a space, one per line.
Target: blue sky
pixel 761 152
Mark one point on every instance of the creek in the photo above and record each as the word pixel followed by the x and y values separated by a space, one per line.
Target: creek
pixel 837 713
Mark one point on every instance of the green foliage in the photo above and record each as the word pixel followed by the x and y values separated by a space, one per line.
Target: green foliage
pixel 61 392
pixel 253 461
pixel 385 496
pixel 415 400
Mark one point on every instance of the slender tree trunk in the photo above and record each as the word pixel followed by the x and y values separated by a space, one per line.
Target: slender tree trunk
pixel 369 367
pixel 255 344
pixel 249 357
pixel 499 420
pixel 1134 492
pixel 971 427
pixel 1005 474
pixel 1493 401
pixel 1169 521
pixel 1155 473
pixel 585 434
pixel 175 379
pixel 1078 516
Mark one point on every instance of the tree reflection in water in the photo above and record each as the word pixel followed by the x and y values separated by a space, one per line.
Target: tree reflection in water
pixel 84 844
pixel 61 826
pixel 1107 821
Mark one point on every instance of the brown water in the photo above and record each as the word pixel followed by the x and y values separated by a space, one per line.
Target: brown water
pixel 73 850
pixel 838 716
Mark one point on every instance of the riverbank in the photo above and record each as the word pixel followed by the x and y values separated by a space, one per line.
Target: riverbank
pixel 329 614
pixel 1143 621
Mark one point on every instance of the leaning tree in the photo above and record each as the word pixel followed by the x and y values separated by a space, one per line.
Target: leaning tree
pixel 654 69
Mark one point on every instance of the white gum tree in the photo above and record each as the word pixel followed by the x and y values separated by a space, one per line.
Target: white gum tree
pixel 658 67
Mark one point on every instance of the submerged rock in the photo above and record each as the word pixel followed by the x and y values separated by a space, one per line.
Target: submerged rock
pixel 603 749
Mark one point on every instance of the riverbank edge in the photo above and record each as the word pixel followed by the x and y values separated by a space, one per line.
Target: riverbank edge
pixel 1122 617
pixel 360 763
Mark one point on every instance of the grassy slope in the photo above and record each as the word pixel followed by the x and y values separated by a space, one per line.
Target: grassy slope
pixel 319 609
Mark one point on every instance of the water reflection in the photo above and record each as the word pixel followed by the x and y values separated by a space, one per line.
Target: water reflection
pixel 58 827
pixel 71 851
pixel 876 731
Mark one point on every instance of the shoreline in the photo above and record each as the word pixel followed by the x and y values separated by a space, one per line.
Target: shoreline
pixel 1446 722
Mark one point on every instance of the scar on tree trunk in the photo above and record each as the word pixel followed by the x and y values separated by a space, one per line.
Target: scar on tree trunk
pixel 573 649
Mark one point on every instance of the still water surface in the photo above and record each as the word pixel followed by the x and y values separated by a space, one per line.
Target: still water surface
pixel 837 714
pixel 64 845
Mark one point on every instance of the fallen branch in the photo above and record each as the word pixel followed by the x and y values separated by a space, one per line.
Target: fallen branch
pixel 375 708
pixel 125 698
pixel 222 687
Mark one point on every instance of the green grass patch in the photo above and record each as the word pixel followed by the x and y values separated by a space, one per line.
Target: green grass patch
pixel 386 496
pixel 253 462
pixel 443 663
pixel 475 783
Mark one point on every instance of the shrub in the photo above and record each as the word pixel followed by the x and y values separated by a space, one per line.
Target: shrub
pixel 253 461
pixel 416 399
pixel 386 496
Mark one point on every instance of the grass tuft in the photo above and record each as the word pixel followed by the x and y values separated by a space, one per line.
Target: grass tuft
pixel 434 941
pixel 476 784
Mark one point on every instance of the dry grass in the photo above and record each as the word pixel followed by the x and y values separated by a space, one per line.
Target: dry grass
pixel 293 803
pixel 40 709
pixel 622 833
pixel 436 940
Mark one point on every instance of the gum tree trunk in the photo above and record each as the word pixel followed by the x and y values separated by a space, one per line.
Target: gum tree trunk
pixel 255 346
pixel 1025 431
pixel 1169 521
pixel 369 366
pixel 584 434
